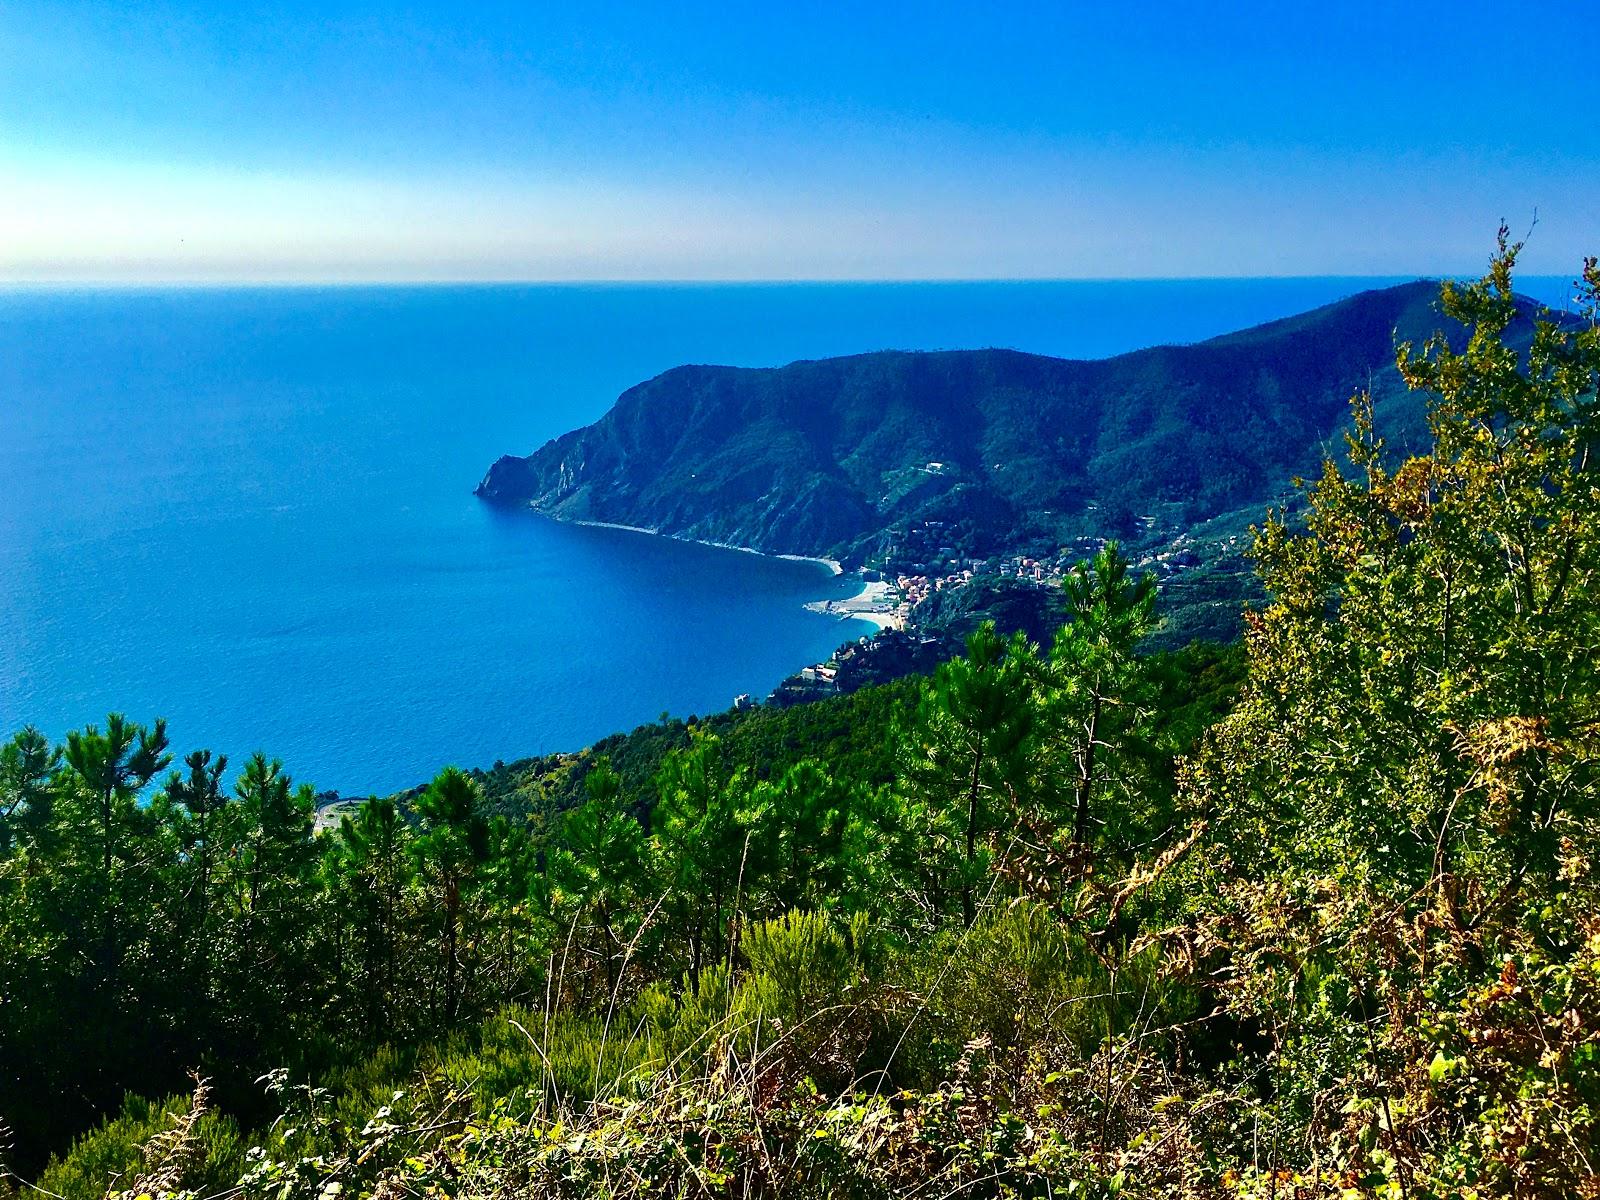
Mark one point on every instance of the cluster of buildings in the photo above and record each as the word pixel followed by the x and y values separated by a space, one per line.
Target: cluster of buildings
pixel 917 588
pixel 929 548
pixel 890 654
pixel 1179 556
pixel 920 562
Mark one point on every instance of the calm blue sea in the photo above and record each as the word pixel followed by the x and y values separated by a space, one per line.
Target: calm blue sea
pixel 250 510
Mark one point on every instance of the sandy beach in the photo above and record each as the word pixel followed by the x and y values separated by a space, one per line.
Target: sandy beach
pixel 874 603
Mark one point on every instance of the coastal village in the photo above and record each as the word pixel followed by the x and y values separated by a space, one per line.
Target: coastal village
pixel 919 565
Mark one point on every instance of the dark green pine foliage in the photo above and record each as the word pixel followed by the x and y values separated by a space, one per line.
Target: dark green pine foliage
pixel 703 827
pixel 27 764
pixel 603 873
pixel 1059 919
pixel 451 849
pixel 366 874
pixel 1097 685
pixel 967 755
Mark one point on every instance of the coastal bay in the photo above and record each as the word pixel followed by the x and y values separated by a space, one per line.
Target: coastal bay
pixel 250 510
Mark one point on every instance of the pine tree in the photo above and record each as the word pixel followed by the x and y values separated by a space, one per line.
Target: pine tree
pixel 603 869
pixel 967 752
pixel 452 846
pixel 1093 700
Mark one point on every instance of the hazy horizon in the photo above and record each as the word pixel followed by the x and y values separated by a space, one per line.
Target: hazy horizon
pixel 363 143
pixel 1524 280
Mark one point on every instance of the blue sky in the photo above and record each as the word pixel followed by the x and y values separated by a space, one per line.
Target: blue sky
pixel 686 141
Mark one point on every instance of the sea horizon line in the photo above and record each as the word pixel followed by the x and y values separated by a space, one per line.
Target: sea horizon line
pixel 185 284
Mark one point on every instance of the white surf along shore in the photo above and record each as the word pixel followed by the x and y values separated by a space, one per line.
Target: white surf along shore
pixel 874 603
pixel 832 565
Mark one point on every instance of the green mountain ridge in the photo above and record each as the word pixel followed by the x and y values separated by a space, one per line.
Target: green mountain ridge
pixel 1007 449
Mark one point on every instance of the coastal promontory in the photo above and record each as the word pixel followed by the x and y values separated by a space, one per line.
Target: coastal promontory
pixel 1001 449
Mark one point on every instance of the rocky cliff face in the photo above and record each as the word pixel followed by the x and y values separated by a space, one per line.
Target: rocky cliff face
pixel 824 457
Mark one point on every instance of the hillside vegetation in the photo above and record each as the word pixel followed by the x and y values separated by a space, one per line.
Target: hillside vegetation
pixel 1006 449
pixel 1061 920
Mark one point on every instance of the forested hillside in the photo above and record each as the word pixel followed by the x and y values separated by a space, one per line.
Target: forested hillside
pixel 1006 450
pixel 1314 917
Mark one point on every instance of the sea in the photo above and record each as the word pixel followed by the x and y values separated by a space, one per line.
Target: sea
pixel 249 510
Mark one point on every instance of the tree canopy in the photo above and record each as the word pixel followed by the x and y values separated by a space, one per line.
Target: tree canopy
pixel 1317 916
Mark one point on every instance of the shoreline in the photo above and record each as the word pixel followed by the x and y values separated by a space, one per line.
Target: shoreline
pixel 849 608
pixel 873 593
pixel 831 565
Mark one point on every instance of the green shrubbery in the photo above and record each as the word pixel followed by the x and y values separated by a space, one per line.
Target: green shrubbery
pixel 115 1154
pixel 1346 945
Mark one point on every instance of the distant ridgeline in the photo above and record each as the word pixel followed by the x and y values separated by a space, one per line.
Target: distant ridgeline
pixel 901 461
